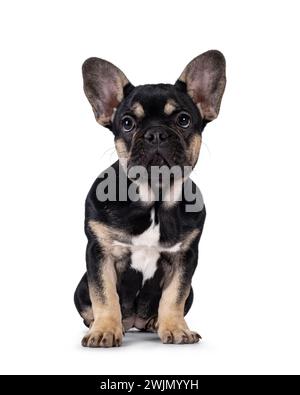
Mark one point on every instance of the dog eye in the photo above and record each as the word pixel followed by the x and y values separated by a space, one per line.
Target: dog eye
pixel 128 123
pixel 183 120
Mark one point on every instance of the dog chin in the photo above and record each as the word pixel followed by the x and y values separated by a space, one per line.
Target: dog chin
pixel 158 160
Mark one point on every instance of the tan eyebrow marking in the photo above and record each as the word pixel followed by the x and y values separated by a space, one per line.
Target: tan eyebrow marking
pixel 170 107
pixel 138 110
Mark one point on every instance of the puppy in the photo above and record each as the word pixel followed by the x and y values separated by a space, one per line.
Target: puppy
pixel 143 219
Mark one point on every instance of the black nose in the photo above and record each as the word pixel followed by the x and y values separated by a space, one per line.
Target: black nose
pixel 156 136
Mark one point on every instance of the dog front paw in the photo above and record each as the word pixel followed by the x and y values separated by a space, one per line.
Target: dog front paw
pixel 178 336
pixel 103 338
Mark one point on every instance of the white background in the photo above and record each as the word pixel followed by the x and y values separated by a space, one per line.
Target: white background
pixel 247 282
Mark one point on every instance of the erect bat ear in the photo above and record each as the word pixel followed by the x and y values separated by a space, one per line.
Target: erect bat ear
pixel 205 82
pixel 104 87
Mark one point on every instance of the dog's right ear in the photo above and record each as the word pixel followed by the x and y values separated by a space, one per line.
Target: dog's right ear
pixel 104 87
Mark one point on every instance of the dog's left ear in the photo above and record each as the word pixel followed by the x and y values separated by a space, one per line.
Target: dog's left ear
pixel 104 86
pixel 205 81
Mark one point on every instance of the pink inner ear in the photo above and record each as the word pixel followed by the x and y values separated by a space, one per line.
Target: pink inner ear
pixel 103 85
pixel 205 95
pixel 205 80
pixel 107 100
pixel 110 98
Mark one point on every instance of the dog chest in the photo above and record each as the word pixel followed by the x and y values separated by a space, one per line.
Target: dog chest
pixel 145 251
pixel 146 248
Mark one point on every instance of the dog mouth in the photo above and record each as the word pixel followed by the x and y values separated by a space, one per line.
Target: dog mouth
pixel 158 160
pixel 168 154
pixel 159 168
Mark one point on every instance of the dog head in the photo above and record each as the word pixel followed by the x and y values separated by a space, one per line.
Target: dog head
pixel 161 124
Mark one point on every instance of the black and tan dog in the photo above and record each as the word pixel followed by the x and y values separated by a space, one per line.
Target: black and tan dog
pixel 142 253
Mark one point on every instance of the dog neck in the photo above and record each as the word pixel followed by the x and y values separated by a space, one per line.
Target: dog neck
pixel 168 196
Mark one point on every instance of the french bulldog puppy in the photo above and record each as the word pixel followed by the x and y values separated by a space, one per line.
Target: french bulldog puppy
pixel 142 227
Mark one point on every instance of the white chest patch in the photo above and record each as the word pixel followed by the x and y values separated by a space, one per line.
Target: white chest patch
pixel 146 249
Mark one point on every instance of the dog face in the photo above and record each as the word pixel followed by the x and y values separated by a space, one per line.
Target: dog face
pixel 156 125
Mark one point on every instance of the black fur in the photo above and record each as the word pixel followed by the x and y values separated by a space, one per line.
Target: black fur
pixel 134 218
pixel 156 138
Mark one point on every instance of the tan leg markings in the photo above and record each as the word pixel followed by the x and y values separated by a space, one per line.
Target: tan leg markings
pixel 87 315
pixel 106 330
pixel 172 327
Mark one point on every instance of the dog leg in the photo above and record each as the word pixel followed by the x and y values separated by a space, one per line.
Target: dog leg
pixel 106 330
pixel 172 327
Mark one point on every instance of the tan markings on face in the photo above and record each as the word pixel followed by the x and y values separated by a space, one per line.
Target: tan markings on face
pixel 194 149
pixel 172 327
pixel 175 191
pixel 138 110
pixel 121 149
pixel 122 152
pixel 170 107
